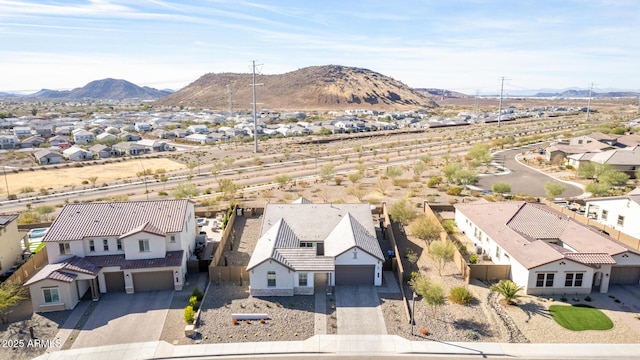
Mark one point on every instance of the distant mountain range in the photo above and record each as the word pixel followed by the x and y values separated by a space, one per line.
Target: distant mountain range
pixel 328 87
pixel 106 89
pixel 574 93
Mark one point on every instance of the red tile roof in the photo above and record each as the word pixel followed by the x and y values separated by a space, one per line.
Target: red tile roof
pixel 591 258
pixel 78 221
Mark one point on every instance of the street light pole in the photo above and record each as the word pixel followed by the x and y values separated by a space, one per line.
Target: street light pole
pixel 413 312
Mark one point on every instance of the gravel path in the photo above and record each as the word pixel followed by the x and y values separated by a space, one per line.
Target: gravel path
pixel 289 317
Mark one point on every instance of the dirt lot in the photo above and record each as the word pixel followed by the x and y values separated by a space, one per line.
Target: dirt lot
pixel 74 176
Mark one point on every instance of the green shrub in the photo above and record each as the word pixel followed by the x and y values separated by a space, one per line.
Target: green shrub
pixel 189 314
pixel 193 302
pixel 434 181
pixel 454 191
pixel 473 259
pixel 197 293
pixel 460 295
pixel 569 167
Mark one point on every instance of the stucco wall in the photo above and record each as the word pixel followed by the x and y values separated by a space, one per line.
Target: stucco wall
pixel 10 248
pixel 157 246
pixel 284 277
pixel 67 292
pixel 560 268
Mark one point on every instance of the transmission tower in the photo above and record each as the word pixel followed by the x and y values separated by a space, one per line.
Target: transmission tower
pixel 255 110
pixel 589 102
pixel 502 79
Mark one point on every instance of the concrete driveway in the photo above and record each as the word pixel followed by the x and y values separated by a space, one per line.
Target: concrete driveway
pixel 120 319
pixel 358 311
pixel 523 179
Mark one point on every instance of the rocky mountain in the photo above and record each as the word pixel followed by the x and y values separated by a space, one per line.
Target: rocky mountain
pixel 329 87
pixel 440 93
pixel 106 89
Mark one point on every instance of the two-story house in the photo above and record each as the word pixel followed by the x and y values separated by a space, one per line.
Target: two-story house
pixel 81 136
pixel 10 248
pixel 617 212
pixel 118 246
pixel 9 142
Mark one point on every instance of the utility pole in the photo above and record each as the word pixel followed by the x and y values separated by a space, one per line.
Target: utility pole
pixel 589 102
pixel 6 182
pixel 144 172
pixel 500 104
pixel 255 110
pixel 475 112
pixel 230 100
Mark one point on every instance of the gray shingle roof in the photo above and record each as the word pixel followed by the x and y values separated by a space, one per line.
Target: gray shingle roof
pixel 349 233
pixel 305 259
pixel 78 221
pixel 279 236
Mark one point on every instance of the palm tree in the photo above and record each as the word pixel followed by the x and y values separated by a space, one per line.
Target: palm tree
pixel 508 289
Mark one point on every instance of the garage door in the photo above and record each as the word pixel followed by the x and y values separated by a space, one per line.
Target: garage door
pixel 625 275
pixel 151 281
pixel 354 274
pixel 114 281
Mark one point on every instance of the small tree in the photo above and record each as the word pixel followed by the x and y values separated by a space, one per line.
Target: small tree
pixel 612 177
pixel 355 177
pixel 441 252
pixel 283 180
pixel 425 229
pixel 327 172
pixel 419 168
pixel 228 188
pixel 450 169
pixel 508 289
pixel 358 192
pixel 501 187
pixel 185 191
pixel 554 189
pixel 10 295
pixel 434 297
pixel 92 180
pixel 402 212
pixel 598 189
pixel 465 177
pixel 393 172
pixel 382 186
pixel 480 153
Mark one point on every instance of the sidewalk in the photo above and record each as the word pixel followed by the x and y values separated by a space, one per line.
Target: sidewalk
pixel 351 345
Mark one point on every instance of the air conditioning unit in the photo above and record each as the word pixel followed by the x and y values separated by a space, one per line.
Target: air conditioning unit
pixel 478 250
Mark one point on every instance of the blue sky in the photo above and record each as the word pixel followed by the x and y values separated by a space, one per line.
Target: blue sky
pixel 463 45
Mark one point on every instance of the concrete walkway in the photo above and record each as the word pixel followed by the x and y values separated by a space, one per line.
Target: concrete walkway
pixel 346 345
pixel 390 284
pixel 320 317
pixel 69 325
pixel 358 311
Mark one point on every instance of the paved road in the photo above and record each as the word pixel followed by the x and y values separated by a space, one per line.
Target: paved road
pixel 523 179
pixel 122 319
pixel 358 311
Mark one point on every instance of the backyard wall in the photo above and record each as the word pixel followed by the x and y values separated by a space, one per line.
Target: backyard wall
pixel 391 230
pixel 218 272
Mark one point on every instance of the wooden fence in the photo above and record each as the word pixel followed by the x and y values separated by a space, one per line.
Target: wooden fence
pixel 29 268
pixel 229 273
pixel 392 231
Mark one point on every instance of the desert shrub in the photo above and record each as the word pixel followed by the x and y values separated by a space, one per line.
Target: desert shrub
pixel 454 191
pixel 473 259
pixel 189 314
pixel 193 302
pixel 197 293
pixel 434 181
pixel 460 295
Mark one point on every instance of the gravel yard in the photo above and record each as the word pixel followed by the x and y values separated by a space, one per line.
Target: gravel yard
pixel 245 235
pixel 289 317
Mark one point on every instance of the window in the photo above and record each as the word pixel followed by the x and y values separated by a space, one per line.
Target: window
pixel 92 246
pixel 605 214
pixel 51 295
pixel 306 244
pixel 105 245
pixel 302 279
pixel 497 252
pixel 172 239
pixel 544 280
pixel 573 280
pixel 620 220
pixel 64 248
pixel 144 245
pixel 119 244
pixel 271 278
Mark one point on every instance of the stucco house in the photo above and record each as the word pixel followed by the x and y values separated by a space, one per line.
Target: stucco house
pixel 75 153
pixel 96 248
pixel 10 249
pixel 303 245
pixel 548 252
pixel 617 212
pixel 46 157
pixel 9 142
pixel 82 136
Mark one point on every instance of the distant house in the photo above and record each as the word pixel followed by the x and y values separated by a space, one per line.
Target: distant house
pixel 129 148
pixel 128 136
pixel 154 145
pixel 112 130
pixel 10 239
pixel 201 138
pixel 100 151
pixel 81 136
pixel 107 137
pixel 22 131
pixel 59 140
pixel 64 130
pixel 198 129
pixel 606 139
pixel 304 245
pixel 32 142
pixel 626 160
pixel 75 153
pixel 46 157
pixel 143 127
pixel 547 251
pixel 9 142
pixel 44 131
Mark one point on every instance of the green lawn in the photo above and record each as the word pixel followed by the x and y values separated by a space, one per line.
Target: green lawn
pixel 580 317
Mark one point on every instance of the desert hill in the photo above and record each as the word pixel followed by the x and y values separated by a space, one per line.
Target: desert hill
pixel 317 87
pixel 106 89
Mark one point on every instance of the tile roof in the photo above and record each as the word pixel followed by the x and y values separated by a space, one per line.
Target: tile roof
pixel 62 276
pixel 78 221
pixel 147 228
pixel 5 219
pixel 172 259
pixel 591 258
pixel 520 229
pixel 305 259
